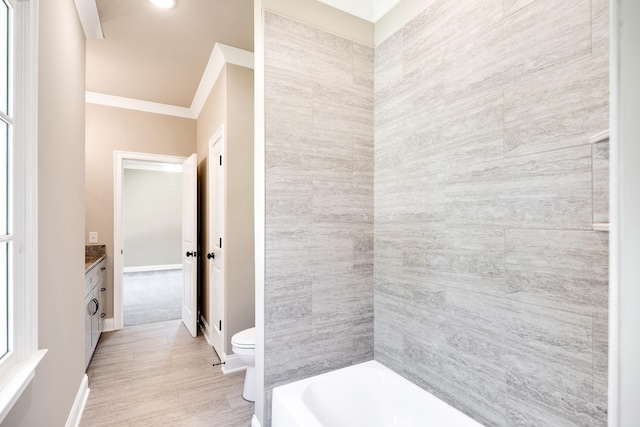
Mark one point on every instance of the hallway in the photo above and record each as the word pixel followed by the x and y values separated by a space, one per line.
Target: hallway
pixel 158 375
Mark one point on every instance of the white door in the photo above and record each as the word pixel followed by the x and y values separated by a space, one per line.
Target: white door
pixel 190 244
pixel 215 255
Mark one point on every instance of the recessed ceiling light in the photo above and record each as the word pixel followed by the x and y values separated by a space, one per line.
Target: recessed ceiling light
pixel 163 4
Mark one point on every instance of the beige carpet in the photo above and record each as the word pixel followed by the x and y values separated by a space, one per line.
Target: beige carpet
pixel 152 296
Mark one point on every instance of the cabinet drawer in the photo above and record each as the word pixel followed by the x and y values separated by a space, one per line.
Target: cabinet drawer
pixel 90 280
pixel 95 277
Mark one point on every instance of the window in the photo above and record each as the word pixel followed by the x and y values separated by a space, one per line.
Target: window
pixel 19 354
pixel 6 137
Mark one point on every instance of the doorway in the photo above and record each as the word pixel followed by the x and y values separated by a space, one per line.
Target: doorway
pixel 152 236
pixel 129 164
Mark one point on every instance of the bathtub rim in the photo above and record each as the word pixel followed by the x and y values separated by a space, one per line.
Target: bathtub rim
pixel 303 415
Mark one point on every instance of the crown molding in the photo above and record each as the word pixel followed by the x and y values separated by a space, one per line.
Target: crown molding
pixel 89 18
pixel 138 104
pixel 221 55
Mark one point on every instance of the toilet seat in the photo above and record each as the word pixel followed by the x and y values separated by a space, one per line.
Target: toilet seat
pixel 245 339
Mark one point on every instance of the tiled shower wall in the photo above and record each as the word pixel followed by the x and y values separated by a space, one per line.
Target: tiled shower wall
pixel 490 285
pixel 319 202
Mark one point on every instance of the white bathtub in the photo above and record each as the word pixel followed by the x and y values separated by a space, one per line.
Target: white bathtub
pixel 368 394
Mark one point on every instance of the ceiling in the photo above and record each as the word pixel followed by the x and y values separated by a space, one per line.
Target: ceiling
pixel 160 55
pixel 370 10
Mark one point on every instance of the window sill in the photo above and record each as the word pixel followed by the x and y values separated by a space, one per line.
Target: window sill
pixel 17 381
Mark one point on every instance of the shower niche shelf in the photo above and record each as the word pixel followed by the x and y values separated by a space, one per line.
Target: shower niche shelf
pixel 600 170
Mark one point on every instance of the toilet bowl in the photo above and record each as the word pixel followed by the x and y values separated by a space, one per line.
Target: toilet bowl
pixel 243 345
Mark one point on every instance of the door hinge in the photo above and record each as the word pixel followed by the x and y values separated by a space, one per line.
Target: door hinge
pixel 220 160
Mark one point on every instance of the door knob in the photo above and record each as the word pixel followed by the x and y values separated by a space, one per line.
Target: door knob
pixel 211 255
pixel 189 253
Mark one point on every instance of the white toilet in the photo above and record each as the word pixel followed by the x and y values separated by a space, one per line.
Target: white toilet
pixel 243 345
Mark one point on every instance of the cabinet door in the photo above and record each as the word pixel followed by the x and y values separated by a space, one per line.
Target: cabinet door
pixel 95 319
pixel 101 271
pixel 88 309
pixel 102 299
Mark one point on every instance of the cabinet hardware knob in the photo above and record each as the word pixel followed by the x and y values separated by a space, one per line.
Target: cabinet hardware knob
pixel 189 253
pixel 211 255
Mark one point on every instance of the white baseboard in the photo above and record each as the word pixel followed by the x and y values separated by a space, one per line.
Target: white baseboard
pixel 109 325
pixel 232 364
pixel 255 422
pixel 78 405
pixel 205 330
pixel 152 268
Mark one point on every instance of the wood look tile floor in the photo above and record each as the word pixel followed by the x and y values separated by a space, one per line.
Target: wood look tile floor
pixel 157 374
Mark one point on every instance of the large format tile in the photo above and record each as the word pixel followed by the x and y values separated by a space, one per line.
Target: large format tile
pixel 548 190
pixel 472 132
pixel 362 156
pixel 288 240
pixel 126 393
pixel 287 351
pixel 524 410
pixel 289 298
pixel 319 197
pixel 512 6
pixel 600 20
pixel 564 270
pixel 288 195
pixel 301 48
pixel 464 132
pixel 456 257
pixel 363 57
pixel 526 42
pixel 601 182
pixel 483 198
pixel 338 201
pixel 341 109
pixel 460 379
pixel 600 362
pixel 388 61
pixel 429 34
pixel 543 332
pixel 558 109
pixel 315 153
pixel 408 194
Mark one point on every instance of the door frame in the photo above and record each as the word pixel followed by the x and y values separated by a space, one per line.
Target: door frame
pixel 217 340
pixel 117 322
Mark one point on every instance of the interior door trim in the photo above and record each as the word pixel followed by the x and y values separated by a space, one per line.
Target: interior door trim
pixel 117 321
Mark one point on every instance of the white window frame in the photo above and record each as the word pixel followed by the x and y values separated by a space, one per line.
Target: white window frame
pixel 17 368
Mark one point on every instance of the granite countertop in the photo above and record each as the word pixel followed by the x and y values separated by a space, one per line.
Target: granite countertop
pixel 93 254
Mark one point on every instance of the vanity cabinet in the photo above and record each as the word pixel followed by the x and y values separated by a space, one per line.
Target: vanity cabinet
pixel 94 303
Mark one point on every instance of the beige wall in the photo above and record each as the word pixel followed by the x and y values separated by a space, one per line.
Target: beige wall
pixel 213 115
pixel 152 218
pixel 231 103
pixel 240 291
pixel 49 398
pixel 111 129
